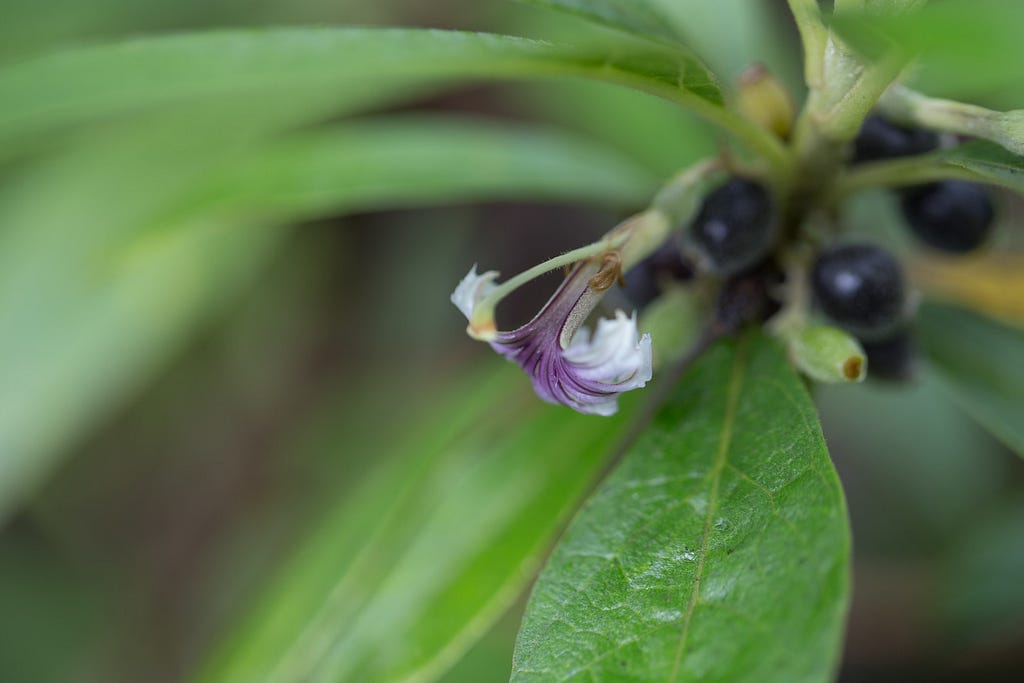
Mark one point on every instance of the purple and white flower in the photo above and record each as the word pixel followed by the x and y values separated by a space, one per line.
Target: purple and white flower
pixel 565 362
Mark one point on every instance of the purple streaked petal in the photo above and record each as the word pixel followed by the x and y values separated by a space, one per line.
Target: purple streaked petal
pixel 565 364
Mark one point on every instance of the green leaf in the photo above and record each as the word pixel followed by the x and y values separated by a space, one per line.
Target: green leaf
pixel 718 550
pixel 639 17
pixel 328 68
pixel 980 363
pixel 967 47
pixel 873 421
pixel 419 161
pixel 129 243
pixel 418 562
pixel 138 75
pixel 730 35
pixel 987 162
pixel 979 592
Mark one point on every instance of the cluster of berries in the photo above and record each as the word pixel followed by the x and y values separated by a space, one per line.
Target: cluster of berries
pixel 859 287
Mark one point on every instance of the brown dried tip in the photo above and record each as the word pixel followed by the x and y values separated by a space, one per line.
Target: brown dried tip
pixel 853 368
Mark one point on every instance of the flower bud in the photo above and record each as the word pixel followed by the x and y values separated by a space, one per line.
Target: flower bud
pixel 765 101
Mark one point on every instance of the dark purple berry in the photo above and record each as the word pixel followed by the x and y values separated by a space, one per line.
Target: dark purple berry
pixel 881 139
pixel 951 215
pixel 860 287
pixel 735 226
pixel 891 358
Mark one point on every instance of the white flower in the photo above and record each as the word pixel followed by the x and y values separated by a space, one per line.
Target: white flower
pixel 616 356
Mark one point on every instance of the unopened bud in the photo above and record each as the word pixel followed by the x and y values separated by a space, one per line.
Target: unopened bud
pixel 765 101
pixel 827 354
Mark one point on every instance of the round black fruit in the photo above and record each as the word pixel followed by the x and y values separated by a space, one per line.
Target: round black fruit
pixel 881 139
pixel 735 226
pixel 860 287
pixel 951 215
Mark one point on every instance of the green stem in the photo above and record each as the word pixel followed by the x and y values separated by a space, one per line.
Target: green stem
pixel 485 307
pixel 843 118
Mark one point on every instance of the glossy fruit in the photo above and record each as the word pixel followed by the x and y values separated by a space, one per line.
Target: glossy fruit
pixel 860 287
pixel 951 215
pixel 881 139
pixel 735 226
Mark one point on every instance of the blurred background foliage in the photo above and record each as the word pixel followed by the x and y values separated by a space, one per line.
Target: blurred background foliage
pixel 205 418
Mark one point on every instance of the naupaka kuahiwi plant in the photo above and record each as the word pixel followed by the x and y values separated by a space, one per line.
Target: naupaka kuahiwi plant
pixel 683 348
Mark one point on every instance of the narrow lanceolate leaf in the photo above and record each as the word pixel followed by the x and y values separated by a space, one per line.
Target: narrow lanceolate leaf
pixel 360 166
pixel 639 17
pixel 333 69
pixel 718 551
pixel 138 75
pixel 979 360
pixel 419 561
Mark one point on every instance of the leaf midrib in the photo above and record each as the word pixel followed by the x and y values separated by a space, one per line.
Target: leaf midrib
pixel 721 459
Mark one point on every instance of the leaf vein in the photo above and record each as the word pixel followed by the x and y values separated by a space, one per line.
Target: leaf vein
pixel 721 459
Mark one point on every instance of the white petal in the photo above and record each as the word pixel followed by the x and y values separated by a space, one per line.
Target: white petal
pixel 616 355
pixel 472 289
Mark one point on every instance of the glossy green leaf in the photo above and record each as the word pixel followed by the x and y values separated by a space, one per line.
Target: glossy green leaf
pixel 717 551
pixel 138 75
pixel 126 257
pixel 640 17
pixel 980 363
pixel 966 47
pixel 418 561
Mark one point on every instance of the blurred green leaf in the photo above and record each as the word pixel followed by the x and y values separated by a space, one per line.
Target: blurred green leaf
pixel 54 616
pixel 980 363
pixel 659 136
pixel 86 317
pixel 137 75
pixel 901 447
pixel 979 592
pixel 639 17
pixel 418 562
pixel 111 299
pixel 718 550
pixel 967 47
pixel 421 160
pixel 988 162
pixel 730 35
